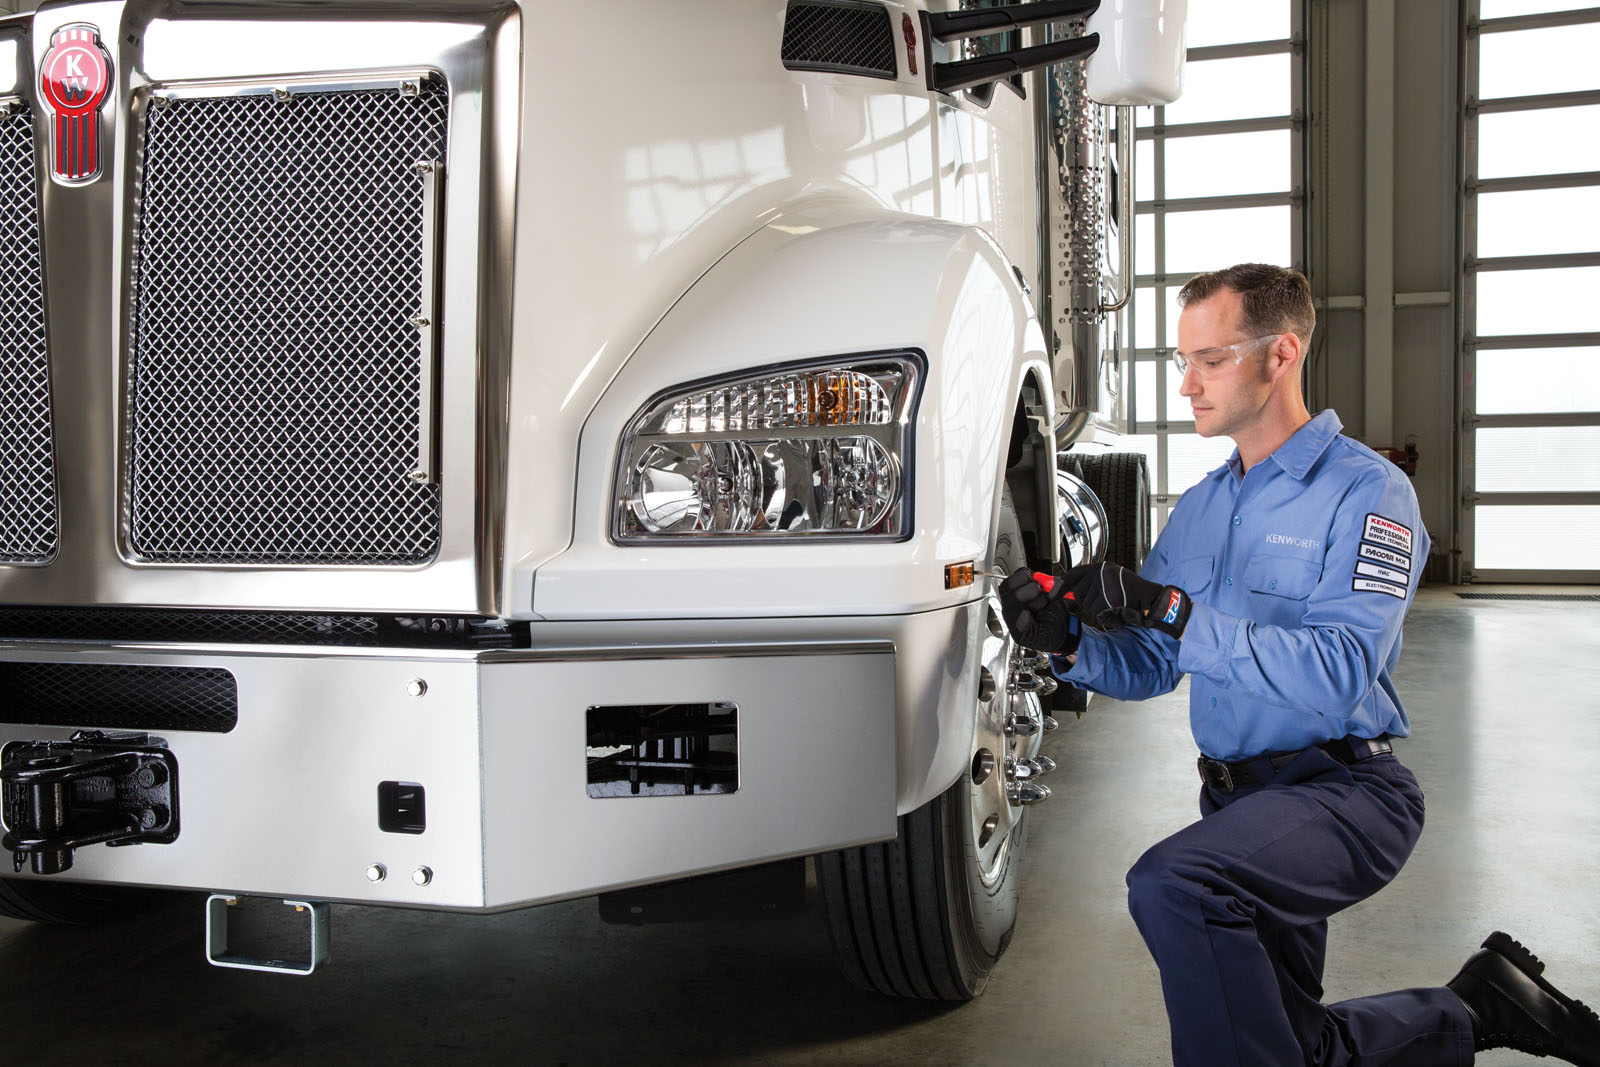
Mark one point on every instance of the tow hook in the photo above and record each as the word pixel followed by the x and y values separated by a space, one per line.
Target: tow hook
pixel 97 788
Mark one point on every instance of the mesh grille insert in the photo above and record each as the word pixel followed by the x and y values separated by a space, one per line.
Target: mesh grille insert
pixel 120 696
pixel 839 35
pixel 276 382
pixel 27 458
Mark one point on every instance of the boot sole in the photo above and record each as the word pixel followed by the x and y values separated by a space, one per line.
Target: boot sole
pixel 1533 967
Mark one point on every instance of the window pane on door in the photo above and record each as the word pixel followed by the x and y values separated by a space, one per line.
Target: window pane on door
pixel 1231 21
pixel 1539 222
pixel 1209 240
pixel 1559 59
pixel 1514 143
pixel 1538 301
pixel 1554 537
pixel 1494 9
pixel 1191 457
pixel 1247 88
pixel 1146 373
pixel 1228 164
pixel 1538 459
pixel 1529 380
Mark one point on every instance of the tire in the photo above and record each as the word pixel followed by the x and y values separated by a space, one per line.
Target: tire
pixel 1122 482
pixel 928 914
pixel 70 904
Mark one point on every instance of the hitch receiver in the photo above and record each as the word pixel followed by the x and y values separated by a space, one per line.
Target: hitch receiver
pixel 57 796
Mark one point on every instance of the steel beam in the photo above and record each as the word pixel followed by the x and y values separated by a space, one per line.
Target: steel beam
pixel 1378 424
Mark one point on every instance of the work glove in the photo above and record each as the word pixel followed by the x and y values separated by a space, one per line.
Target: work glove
pixel 1037 619
pixel 1108 597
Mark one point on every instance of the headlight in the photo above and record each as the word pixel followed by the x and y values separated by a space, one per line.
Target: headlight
pixel 813 450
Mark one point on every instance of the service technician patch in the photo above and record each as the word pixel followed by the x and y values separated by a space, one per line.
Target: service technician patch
pixel 1382 531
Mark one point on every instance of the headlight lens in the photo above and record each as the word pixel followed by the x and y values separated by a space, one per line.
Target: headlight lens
pixel 812 450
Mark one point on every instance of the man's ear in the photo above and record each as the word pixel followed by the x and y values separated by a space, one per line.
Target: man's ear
pixel 1285 356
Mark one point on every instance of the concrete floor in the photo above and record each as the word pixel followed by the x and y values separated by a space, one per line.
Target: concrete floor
pixel 1506 743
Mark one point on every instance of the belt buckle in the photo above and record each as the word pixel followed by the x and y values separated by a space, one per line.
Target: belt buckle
pixel 1215 773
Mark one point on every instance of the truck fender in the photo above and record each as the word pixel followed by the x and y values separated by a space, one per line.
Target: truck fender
pixel 833 275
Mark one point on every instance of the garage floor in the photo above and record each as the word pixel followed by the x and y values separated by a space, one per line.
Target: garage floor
pixel 1506 743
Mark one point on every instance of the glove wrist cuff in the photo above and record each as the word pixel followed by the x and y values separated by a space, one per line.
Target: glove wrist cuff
pixel 1170 612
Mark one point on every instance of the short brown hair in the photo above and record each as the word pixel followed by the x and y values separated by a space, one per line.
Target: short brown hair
pixel 1273 299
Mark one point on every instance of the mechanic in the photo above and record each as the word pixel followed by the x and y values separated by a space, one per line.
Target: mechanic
pixel 1279 585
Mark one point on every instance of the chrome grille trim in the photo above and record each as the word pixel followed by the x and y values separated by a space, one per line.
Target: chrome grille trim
pixel 28 513
pixel 277 372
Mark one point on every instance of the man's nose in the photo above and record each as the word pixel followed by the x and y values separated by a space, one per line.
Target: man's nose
pixel 1190 383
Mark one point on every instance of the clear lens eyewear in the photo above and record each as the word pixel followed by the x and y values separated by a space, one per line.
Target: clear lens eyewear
pixel 1209 362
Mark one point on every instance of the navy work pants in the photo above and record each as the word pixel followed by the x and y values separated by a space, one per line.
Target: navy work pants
pixel 1234 909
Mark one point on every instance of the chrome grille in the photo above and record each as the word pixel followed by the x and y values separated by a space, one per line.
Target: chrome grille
pixel 27 454
pixel 276 376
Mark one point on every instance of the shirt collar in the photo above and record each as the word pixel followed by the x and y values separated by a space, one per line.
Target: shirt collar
pixel 1300 452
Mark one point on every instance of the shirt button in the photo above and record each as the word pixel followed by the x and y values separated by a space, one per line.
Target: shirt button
pixel 1237 520
pixel 1227 581
pixel 1213 701
pixel 1273 584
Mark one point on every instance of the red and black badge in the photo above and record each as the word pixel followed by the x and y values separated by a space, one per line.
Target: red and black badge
pixel 74 81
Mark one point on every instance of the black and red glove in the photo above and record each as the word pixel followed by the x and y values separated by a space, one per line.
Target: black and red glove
pixel 1037 619
pixel 1109 597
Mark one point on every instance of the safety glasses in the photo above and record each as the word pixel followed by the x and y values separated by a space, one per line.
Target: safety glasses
pixel 1210 362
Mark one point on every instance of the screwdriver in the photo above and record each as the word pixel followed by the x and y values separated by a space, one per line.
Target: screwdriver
pixel 1047 582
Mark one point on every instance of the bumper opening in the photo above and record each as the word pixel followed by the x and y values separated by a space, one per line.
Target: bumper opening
pixel 638 750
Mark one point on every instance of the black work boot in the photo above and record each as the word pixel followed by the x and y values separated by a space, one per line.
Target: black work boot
pixel 1513 1007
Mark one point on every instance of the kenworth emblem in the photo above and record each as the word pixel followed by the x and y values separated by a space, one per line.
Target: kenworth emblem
pixel 74 80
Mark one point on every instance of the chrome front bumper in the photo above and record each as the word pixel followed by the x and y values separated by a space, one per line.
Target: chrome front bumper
pixel 286 803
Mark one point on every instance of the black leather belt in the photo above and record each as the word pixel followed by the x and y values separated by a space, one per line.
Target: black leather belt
pixel 1241 774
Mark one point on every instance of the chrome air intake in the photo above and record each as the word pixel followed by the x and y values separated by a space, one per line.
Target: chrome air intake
pixel 281 368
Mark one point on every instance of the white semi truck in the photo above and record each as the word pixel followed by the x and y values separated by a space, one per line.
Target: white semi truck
pixel 466 454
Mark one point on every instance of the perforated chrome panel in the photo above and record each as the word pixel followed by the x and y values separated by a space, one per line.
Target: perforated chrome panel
pixel 27 459
pixel 277 373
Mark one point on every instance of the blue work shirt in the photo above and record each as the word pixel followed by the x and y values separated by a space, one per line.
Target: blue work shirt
pixel 1301 571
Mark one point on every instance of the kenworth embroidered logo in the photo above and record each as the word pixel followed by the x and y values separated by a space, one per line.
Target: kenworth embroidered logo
pixel 74 81
pixel 1171 617
pixel 1295 542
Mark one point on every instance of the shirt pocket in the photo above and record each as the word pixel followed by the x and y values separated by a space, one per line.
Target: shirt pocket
pixel 1194 573
pixel 1289 577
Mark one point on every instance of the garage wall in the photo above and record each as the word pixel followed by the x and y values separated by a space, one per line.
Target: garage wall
pixel 1382 219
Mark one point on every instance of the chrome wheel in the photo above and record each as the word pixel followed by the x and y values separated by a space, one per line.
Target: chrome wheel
pixel 1008 726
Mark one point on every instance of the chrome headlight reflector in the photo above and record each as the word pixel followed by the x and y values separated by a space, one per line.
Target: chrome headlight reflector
pixel 812 450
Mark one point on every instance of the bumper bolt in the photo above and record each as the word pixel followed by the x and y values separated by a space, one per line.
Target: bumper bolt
pixel 417 687
pixel 422 875
pixel 377 872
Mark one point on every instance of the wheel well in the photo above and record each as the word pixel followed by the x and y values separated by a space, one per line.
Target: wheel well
pixel 1030 473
